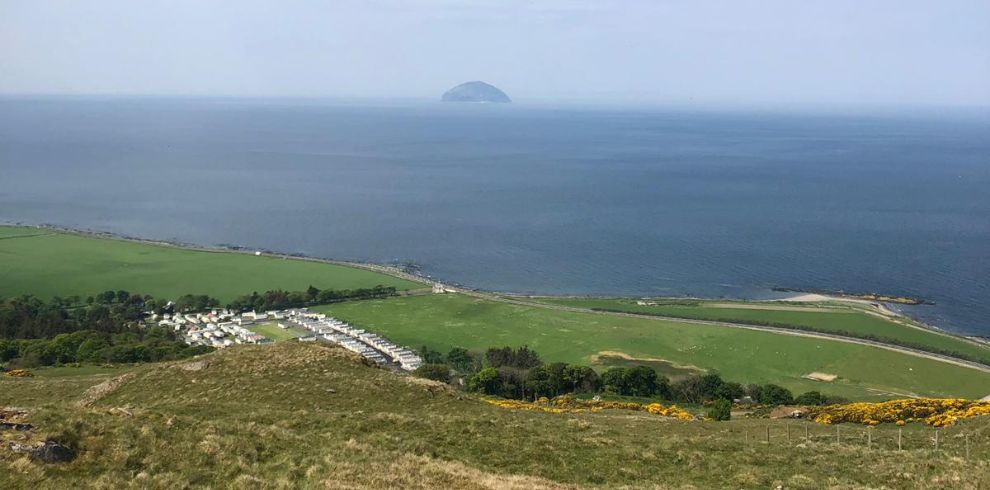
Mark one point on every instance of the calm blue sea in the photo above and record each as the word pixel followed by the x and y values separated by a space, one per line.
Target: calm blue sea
pixel 532 199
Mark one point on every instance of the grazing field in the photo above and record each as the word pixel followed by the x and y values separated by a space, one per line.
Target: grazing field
pixel 306 416
pixel 46 264
pixel 272 331
pixel 444 321
pixel 841 319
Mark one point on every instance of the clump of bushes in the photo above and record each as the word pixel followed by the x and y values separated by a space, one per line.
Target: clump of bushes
pixel 721 410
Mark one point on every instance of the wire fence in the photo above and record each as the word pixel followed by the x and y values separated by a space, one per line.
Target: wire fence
pixel 951 441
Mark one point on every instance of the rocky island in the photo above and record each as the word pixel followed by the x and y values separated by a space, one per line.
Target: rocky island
pixel 475 92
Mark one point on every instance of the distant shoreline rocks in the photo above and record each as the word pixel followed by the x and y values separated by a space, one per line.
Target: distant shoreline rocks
pixel 476 92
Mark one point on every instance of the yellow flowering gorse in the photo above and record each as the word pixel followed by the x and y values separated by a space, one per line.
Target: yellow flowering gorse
pixel 938 412
pixel 567 404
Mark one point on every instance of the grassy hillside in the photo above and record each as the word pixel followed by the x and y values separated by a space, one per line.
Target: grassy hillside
pixel 45 263
pixel 444 321
pixel 846 320
pixel 305 416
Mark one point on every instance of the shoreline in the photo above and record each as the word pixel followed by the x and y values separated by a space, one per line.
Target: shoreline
pixel 426 280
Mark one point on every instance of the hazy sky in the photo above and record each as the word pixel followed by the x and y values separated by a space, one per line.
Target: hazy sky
pixel 691 51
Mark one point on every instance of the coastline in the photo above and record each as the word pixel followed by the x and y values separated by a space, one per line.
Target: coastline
pixel 878 307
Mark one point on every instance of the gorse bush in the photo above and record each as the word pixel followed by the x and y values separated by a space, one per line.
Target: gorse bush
pixel 932 411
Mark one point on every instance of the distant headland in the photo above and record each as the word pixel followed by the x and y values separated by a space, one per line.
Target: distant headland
pixel 475 92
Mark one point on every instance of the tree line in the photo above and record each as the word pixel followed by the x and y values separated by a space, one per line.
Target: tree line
pixel 102 328
pixel 521 374
pixel 151 344
pixel 278 299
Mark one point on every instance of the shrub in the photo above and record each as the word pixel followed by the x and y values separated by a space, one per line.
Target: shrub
pixel 436 372
pixel 810 398
pixel 721 410
pixel 775 395
pixel 485 381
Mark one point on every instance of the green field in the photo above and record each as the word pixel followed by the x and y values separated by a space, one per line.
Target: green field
pixel 444 321
pixel 841 319
pixel 272 331
pixel 46 264
pixel 298 415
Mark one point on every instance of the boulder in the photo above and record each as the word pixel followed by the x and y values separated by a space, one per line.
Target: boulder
pixel 53 452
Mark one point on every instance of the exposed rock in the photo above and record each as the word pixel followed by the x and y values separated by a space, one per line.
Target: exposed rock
pixel 475 92
pixel 95 393
pixel 194 366
pixel 53 452
pixel 121 411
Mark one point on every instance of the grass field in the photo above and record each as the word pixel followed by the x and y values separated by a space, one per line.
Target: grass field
pixel 444 321
pixel 272 331
pixel 839 319
pixel 305 416
pixel 46 264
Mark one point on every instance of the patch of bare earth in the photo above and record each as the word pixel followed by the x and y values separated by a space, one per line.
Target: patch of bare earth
pixel 819 376
pixel 420 472
pixel 98 392
pixel 596 358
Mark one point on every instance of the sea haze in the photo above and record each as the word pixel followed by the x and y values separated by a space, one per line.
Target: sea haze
pixel 532 199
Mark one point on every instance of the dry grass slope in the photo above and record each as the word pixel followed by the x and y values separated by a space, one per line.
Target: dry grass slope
pixel 307 416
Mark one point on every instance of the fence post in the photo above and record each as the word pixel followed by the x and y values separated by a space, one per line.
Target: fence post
pixel 869 437
pixel 768 434
pixel 899 430
pixel 967 446
pixel 936 439
pixel 807 438
pixel 746 433
pixel 788 433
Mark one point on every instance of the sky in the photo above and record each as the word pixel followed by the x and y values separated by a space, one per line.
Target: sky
pixel 899 52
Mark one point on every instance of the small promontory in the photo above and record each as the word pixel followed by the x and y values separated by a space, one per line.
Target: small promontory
pixel 475 92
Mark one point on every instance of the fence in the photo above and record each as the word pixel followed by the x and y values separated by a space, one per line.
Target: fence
pixel 952 441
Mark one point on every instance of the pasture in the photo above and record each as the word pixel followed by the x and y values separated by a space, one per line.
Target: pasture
pixel 842 319
pixel 47 263
pixel 444 321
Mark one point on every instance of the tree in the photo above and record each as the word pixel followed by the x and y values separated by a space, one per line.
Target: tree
pixel 634 381
pixel 582 379
pixel 522 358
pixel 775 395
pixel 810 398
pixel 730 391
pixel 721 410
pixel 641 381
pixel 436 372
pixel 430 356
pixel 614 380
pixel 688 390
pixel 485 381
pixel 710 385
pixel 461 360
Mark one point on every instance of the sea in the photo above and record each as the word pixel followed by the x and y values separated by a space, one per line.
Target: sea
pixel 533 198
